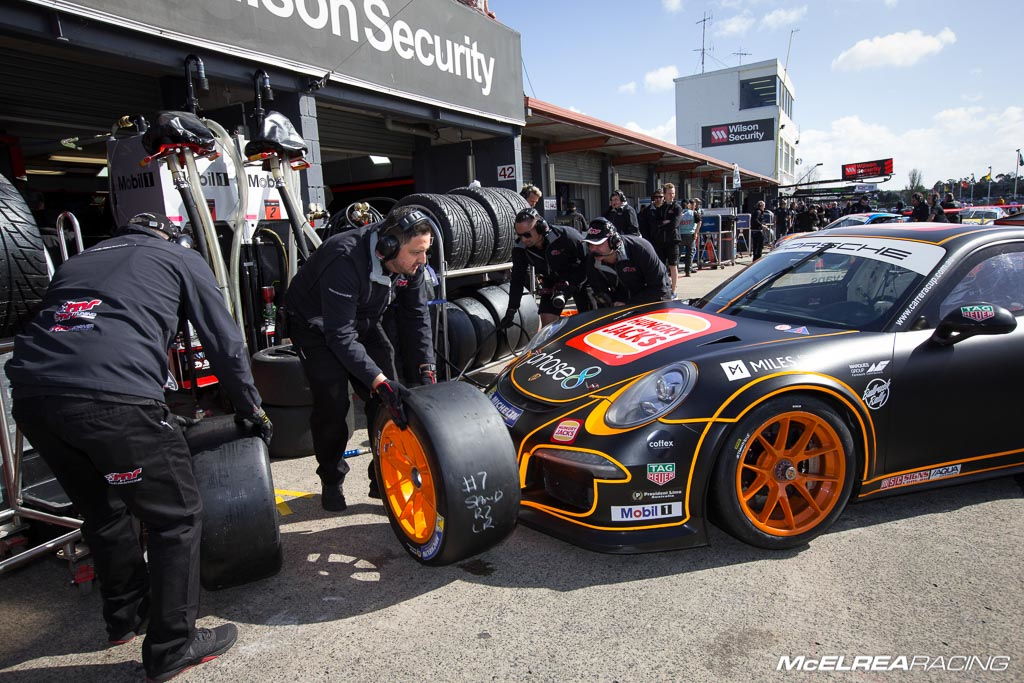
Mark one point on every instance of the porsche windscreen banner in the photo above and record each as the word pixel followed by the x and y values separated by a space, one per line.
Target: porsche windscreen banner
pixel 435 52
pixel 916 256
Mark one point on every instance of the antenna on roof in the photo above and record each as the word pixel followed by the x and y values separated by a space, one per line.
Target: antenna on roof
pixel 741 54
pixel 703 32
pixel 790 47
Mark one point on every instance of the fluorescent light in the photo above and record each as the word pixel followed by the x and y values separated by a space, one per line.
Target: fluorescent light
pixel 104 172
pixel 42 171
pixel 78 160
pixel 379 161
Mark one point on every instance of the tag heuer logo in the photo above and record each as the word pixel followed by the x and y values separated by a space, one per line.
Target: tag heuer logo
pixel 661 473
pixel 977 313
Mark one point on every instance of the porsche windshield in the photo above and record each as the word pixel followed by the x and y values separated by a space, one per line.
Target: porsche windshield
pixel 849 283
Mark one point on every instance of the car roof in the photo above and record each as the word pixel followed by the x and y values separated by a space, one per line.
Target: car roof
pixel 947 234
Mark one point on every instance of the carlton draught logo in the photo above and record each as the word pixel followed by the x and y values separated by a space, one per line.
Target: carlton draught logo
pixel 624 341
pixel 719 134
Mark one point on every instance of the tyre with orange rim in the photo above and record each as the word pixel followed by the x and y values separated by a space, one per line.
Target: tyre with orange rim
pixel 785 473
pixel 449 481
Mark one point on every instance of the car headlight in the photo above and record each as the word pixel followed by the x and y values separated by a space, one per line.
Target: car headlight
pixel 545 335
pixel 652 396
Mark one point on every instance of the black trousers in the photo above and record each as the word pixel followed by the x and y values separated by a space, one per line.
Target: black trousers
pixel 116 461
pixel 328 382
pixel 756 243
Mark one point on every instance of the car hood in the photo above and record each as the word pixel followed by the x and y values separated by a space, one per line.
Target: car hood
pixel 601 350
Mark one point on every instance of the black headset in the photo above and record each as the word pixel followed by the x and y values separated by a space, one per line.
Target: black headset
pixel 152 225
pixel 614 240
pixel 541 226
pixel 389 243
pixel 620 195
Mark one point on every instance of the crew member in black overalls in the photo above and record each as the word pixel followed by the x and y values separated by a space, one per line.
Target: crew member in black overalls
pixel 624 269
pixel 559 259
pixel 88 375
pixel 335 304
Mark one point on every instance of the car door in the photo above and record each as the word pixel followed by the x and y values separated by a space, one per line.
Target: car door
pixel 961 402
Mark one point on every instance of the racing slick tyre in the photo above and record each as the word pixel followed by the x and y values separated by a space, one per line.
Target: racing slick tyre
pixel 502 217
pixel 456 230
pixel 486 331
pixel 23 274
pixel 785 473
pixel 292 436
pixel 483 230
pixel 241 539
pixel 449 481
pixel 527 320
pixel 496 301
pixel 462 344
pixel 279 377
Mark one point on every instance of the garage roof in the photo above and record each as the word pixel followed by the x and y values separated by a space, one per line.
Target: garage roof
pixel 563 130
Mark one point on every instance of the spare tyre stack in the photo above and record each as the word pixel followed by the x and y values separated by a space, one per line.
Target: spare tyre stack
pixel 477 232
pixel 281 381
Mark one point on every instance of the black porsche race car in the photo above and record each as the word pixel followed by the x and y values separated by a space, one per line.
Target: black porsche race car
pixel 850 363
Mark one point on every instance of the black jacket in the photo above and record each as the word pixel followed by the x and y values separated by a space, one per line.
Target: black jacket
pixel 110 315
pixel 624 219
pixel 342 291
pixel 951 217
pixel 757 219
pixel 638 276
pixel 920 213
pixel 665 227
pixel 563 258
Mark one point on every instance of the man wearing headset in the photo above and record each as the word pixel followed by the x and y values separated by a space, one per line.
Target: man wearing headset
pixel 621 214
pixel 625 269
pixel 335 304
pixel 558 257
pixel 88 377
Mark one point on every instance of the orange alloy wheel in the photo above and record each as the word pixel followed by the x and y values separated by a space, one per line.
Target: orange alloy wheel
pixel 408 482
pixel 791 473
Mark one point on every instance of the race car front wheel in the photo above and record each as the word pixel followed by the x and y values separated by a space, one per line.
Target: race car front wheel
pixel 449 481
pixel 785 473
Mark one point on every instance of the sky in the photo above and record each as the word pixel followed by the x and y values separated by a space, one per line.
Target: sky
pixel 936 85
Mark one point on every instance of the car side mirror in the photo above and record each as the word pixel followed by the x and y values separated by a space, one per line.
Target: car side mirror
pixel 971 319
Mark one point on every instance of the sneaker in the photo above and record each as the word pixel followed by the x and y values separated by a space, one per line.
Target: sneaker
pixel 207 644
pixel 332 499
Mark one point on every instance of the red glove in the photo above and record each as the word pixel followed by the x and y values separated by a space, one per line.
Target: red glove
pixel 391 394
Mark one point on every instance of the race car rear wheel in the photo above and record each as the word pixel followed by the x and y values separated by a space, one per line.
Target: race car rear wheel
pixel 449 481
pixel 785 474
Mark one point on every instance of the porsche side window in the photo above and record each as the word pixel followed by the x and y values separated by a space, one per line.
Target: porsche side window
pixel 996 279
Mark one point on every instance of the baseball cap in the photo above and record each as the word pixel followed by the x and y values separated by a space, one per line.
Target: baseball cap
pixel 598 232
pixel 155 221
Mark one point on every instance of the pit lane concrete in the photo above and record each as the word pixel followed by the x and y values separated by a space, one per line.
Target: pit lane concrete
pixel 932 573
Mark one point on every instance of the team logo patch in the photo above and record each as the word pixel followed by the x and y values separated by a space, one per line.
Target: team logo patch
pixel 566 431
pixel 977 313
pixel 118 478
pixel 76 309
pixel 661 473
pixel 633 513
pixel 624 341
pixel 918 477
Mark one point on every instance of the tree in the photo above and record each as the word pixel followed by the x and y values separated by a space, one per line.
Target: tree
pixel 914 177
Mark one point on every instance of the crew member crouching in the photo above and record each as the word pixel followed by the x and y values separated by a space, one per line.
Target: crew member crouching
pixel 624 270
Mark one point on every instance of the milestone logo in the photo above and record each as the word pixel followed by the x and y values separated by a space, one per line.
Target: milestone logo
pixel 738 133
pixel 624 341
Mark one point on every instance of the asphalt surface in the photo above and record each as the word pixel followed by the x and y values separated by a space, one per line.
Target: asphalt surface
pixel 936 574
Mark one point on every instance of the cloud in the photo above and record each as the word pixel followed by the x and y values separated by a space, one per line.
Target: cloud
pixel 665 131
pixel 896 49
pixel 672 5
pixel 661 79
pixel 736 25
pixel 783 17
pixel 954 143
pixel 578 111
pixel 628 88
pixel 976 71
pixel 891 3
pixel 973 97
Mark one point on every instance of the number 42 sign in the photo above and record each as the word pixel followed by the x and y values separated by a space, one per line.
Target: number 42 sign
pixel 507 172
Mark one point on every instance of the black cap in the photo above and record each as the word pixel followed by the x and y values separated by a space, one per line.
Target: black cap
pixel 155 221
pixel 599 231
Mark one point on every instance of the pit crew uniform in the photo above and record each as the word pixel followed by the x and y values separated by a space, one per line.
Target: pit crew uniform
pixel 560 266
pixel 638 276
pixel 335 304
pixel 88 377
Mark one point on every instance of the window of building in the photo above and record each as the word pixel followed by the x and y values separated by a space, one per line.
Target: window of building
pixel 785 99
pixel 758 92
